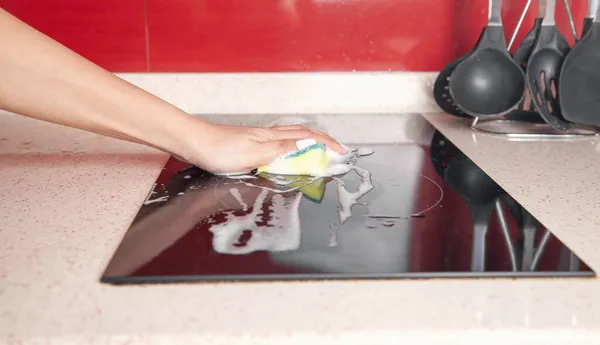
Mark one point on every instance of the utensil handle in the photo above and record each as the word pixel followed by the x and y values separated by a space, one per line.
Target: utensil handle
pixel 495 13
pixel 541 8
pixel 592 4
pixel 549 15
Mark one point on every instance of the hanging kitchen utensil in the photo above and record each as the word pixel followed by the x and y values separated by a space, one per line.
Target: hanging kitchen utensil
pixel 521 56
pixel 441 87
pixel 526 46
pixel 441 92
pixel 543 69
pixel 488 82
pixel 580 78
pixel 525 125
pixel 589 19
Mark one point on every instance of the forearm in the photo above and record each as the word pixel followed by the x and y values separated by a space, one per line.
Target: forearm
pixel 42 79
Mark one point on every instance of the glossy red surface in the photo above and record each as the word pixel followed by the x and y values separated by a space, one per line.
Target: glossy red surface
pixel 110 33
pixel 272 35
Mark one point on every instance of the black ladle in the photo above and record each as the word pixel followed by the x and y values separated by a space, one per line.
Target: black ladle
pixel 441 92
pixel 580 78
pixel 488 82
pixel 480 193
pixel 441 87
pixel 543 69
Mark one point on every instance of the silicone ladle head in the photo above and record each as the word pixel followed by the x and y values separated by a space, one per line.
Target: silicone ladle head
pixel 489 81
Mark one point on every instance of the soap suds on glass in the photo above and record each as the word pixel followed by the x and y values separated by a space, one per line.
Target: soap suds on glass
pixel 253 231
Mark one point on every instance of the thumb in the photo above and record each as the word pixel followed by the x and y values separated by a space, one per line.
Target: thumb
pixel 275 148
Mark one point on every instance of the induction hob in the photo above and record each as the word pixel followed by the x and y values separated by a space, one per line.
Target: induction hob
pixel 406 211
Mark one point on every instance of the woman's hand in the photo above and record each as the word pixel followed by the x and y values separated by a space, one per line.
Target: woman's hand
pixel 231 149
pixel 44 80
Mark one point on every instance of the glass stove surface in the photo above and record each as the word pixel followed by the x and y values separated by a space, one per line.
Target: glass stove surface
pixel 408 220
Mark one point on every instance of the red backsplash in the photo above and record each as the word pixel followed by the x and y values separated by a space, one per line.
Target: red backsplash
pixel 271 35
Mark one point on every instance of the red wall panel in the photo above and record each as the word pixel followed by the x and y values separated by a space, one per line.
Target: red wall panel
pixel 110 33
pixel 275 35
pixel 272 35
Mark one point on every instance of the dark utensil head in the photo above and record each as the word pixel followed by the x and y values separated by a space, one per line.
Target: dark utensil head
pixel 542 79
pixel 526 46
pixel 579 86
pixel 489 82
pixel 441 90
pixel 543 70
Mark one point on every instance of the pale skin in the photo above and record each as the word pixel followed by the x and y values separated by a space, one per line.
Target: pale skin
pixel 42 79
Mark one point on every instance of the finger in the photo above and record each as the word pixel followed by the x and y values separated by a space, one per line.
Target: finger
pixel 292 134
pixel 328 141
pixel 275 148
pixel 306 133
pixel 287 127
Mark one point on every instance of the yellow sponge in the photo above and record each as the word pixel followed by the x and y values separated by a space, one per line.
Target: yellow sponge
pixel 314 191
pixel 312 160
pixel 312 188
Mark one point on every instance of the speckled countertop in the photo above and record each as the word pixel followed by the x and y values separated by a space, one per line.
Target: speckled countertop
pixel 69 196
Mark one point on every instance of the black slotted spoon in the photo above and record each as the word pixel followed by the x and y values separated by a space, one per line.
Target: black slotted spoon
pixel 543 69
pixel 521 57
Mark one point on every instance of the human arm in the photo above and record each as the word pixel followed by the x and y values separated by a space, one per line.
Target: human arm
pixel 42 79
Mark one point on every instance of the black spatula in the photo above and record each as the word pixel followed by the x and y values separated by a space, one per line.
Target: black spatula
pixel 579 87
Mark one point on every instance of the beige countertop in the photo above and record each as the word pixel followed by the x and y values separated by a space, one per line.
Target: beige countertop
pixel 68 198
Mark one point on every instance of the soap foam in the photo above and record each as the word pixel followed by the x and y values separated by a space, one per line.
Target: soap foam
pixel 282 233
pixel 348 199
pixel 241 234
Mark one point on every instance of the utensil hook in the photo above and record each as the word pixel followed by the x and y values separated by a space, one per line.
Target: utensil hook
pixel 523 13
pixel 571 23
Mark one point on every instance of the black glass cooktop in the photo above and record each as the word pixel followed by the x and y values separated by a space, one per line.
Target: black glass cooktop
pixel 405 211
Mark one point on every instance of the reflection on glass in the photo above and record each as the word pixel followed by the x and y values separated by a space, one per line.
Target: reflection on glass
pixel 392 214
